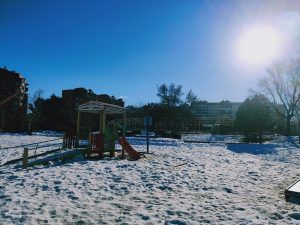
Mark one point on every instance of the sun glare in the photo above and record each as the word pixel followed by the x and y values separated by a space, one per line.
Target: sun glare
pixel 259 44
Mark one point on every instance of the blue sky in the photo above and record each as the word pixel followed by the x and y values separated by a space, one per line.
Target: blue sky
pixel 127 48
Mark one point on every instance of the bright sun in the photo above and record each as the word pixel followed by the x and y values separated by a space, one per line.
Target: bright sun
pixel 259 44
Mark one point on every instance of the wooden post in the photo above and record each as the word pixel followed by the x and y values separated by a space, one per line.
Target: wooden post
pixel 103 123
pixel 25 158
pixel 90 146
pixel 64 145
pixel 100 122
pixel 147 133
pixel 124 133
pixel 78 127
pixel 125 124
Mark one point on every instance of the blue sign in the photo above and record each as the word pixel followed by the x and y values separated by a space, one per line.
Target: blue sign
pixel 147 121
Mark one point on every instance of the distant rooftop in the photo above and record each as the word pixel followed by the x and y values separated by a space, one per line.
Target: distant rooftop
pixel 5 71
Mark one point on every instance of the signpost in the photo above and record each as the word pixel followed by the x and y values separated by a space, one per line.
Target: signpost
pixel 147 124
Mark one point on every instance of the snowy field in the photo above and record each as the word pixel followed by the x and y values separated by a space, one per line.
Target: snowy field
pixel 180 183
pixel 212 138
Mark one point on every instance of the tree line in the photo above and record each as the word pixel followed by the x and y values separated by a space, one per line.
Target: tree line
pixel 48 114
pixel 276 100
pixel 270 109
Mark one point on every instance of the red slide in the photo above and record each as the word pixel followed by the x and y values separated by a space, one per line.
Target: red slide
pixel 133 154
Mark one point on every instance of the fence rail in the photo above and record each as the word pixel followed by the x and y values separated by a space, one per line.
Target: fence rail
pixel 27 156
pixel 27 145
pixel 31 150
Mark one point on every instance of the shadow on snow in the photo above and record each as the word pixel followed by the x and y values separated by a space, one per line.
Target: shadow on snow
pixel 255 149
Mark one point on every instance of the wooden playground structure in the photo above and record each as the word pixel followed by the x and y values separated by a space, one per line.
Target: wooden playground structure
pixel 103 141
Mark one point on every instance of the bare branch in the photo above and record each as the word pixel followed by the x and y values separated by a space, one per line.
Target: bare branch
pixel 282 87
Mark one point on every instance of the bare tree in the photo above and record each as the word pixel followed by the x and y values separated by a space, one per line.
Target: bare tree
pixel 36 95
pixel 282 88
pixel 31 107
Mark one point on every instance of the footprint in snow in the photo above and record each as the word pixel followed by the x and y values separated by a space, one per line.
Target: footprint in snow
pixel 170 212
pixel 45 187
pixel 57 189
pixel 3 196
pixel 295 215
pixel 230 191
pixel 144 217
pixel 12 177
pixel 175 222
pixel 165 188
pixel 56 182
pixel 277 216
pixel 72 197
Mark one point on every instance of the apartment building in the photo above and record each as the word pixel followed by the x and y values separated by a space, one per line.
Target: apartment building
pixel 13 100
pixel 216 113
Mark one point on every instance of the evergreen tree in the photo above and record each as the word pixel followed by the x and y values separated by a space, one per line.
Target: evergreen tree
pixel 49 114
pixel 170 95
pixel 191 97
pixel 253 116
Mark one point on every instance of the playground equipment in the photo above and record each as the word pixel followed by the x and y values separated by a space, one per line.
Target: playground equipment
pixel 292 193
pixel 70 140
pixel 133 154
pixel 96 145
pixel 104 140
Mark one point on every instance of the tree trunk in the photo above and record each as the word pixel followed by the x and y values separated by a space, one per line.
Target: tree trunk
pixel 288 126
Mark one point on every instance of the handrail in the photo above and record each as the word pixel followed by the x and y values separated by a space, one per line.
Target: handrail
pixel 36 143
pixel 43 146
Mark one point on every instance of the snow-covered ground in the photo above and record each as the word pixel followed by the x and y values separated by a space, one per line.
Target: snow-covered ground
pixel 179 183
pixel 212 138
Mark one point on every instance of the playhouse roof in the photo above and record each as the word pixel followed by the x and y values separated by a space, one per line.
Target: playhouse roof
pixel 98 107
